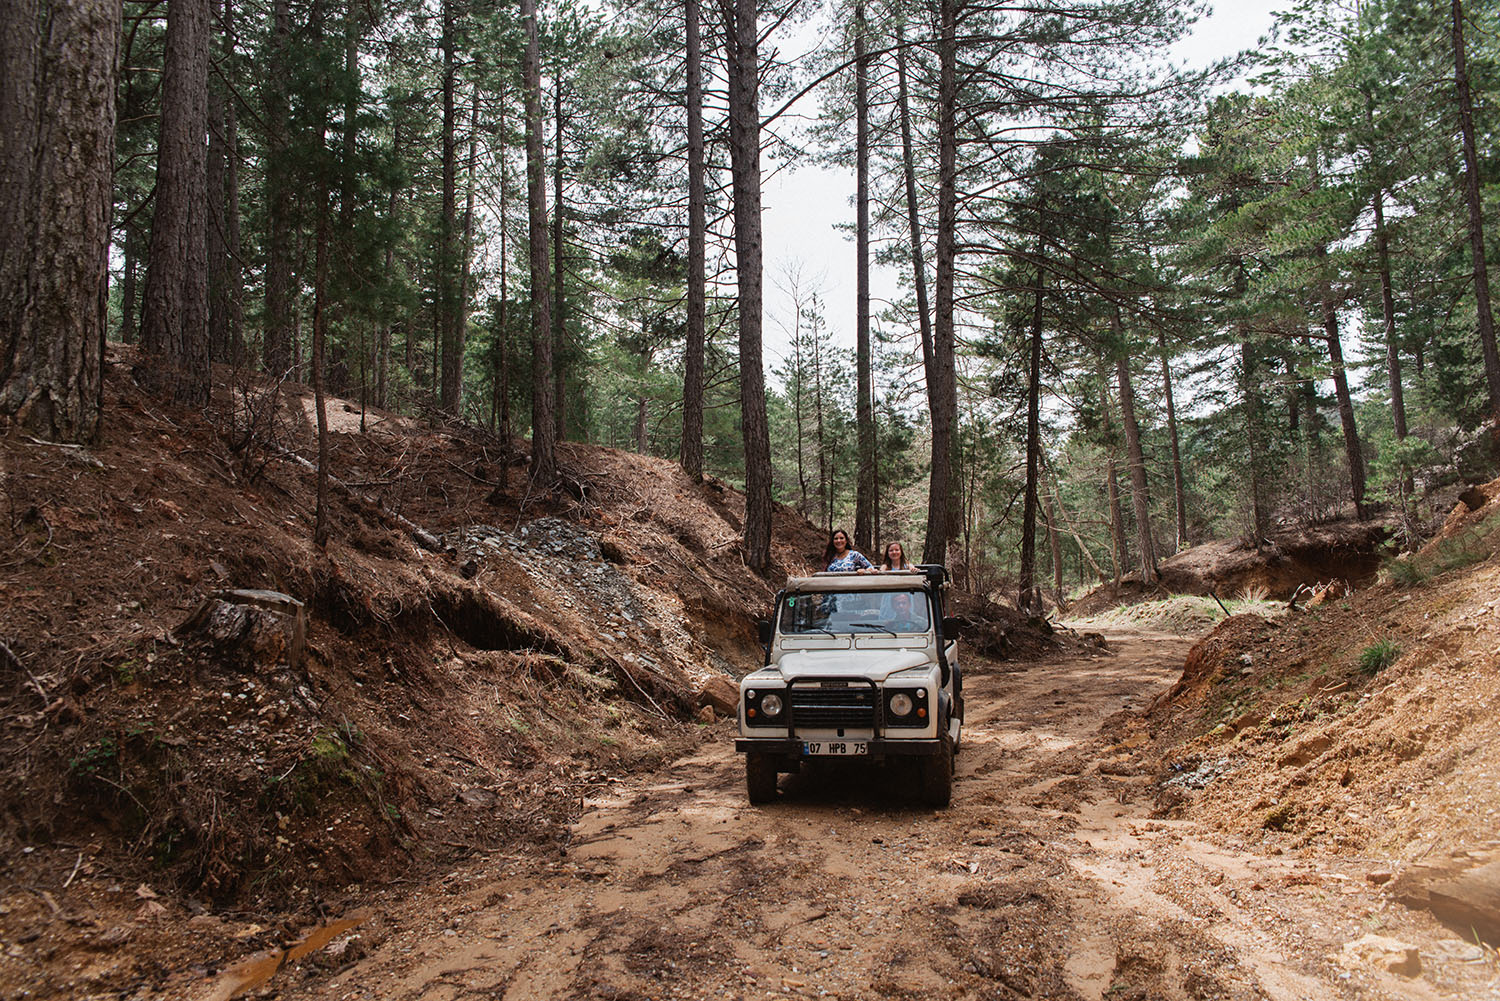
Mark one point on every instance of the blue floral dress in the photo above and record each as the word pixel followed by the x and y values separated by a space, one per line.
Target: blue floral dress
pixel 851 560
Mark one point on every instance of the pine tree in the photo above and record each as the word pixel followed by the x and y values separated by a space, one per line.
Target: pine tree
pixel 174 317
pixel 57 119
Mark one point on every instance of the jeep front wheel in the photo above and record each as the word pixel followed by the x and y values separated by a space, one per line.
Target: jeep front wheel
pixel 760 777
pixel 937 775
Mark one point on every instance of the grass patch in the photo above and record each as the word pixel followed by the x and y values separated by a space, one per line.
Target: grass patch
pixel 1279 818
pixel 1378 656
pixel 1473 545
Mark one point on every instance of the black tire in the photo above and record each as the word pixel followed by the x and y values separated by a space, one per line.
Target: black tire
pixel 958 742
pixel 937 774
pixel 760 777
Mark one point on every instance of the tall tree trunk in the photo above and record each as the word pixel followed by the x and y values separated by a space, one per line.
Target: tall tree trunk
pixel 1346 409
pixel 799 394
pixel 319 352
pixel 130 104
pixel 322 225
pixel 942 387
pixel 560 357
pixel 543 423
pixel 461 314
pixel 1388 314
pixel 877 532
pixel 1118 550
pixel 278 345
pixel 129 286
pixel 1179 489
pixel 742 41
pixel 697 288
pixel 338 374
pixel 502 376
pixel 1055 546
pixel 1476 215
pixel 174 320
pixel 57 127
pixel 864 501
pixel 913 208
pixel 382 367
pixel 226 283
pixel 1251 403
pixel 1308 395
pixel 1145 543
pixel 1250 395
pixel 643 399
pixel 825 489
pixel 220 258
pixel 1352 450
pixel 451 388
pixel 1026 590
pixel 234 277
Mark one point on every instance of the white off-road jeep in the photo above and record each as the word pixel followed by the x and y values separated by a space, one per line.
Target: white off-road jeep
pixel 857 665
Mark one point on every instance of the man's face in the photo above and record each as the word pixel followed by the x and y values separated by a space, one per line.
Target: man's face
pixel 901 606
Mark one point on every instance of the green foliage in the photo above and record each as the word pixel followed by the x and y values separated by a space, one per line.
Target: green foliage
pixel 1404 572
pixel 1134 217
pixel 1474 544
pixel 325 767
pixel 1378 656
pixel 94 758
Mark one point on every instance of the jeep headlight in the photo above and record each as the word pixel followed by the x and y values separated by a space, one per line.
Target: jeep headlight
pixel 906 707
pixel 762 708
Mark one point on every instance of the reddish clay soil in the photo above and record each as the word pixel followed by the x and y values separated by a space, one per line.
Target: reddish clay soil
pixel 1290 558
pixel 492 753
pixel 1050 877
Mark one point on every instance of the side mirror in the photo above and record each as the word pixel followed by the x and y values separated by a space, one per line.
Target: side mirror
pixel 953 627
pixel 763 630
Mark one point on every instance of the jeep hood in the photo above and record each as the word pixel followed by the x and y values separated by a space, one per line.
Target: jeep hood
pixel 872 664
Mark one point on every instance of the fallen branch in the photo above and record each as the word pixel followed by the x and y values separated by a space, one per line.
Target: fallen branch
pixel 52 444
pixel 261 967
pixel 76 866
pixel 420 535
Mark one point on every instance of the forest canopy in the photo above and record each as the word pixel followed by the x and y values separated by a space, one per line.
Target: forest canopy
pixel 1138 306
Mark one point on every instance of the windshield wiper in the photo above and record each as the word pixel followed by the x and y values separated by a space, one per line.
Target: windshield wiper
pixel 882 626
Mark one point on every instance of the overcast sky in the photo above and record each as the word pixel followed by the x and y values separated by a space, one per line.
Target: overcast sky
pixel 803 207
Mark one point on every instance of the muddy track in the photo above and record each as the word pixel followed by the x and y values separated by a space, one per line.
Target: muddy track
pixel 1045 879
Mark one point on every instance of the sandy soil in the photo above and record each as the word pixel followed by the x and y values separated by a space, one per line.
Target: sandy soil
pixel 1047 878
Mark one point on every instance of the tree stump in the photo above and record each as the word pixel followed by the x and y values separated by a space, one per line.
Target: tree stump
pixel 251 628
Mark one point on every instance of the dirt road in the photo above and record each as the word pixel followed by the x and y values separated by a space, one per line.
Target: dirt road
pixel 1046 879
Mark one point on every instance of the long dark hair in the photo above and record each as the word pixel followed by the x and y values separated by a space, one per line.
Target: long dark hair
pixel 829 553
pixel 885 558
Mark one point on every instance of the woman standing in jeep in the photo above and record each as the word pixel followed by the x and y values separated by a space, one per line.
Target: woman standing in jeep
pixel 895 558
pixel 840 558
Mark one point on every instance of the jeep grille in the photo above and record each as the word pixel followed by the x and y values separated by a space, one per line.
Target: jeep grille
pixel 852 707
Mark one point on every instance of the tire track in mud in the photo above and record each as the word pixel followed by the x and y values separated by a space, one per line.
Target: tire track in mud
pixel 1046 879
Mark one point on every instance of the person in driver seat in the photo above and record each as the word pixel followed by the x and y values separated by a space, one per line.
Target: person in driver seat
pixel 903 616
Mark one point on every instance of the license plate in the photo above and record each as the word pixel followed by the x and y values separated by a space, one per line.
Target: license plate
pixel 835 747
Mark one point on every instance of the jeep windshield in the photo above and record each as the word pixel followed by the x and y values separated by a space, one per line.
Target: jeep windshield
pixel 855 612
